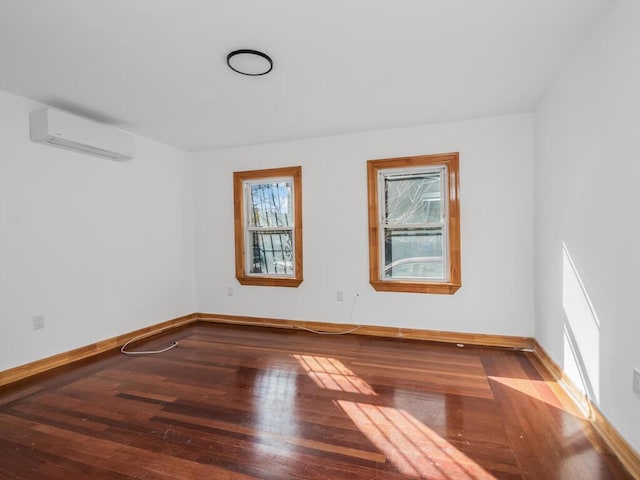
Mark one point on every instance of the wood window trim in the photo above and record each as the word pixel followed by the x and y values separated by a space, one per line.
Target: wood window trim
pixel 451 160
pixel 239 178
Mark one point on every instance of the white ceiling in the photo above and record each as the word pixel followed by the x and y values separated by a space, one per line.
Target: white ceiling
pixel 157 67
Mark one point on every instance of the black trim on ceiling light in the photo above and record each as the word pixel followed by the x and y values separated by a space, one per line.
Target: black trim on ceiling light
pixel 246 51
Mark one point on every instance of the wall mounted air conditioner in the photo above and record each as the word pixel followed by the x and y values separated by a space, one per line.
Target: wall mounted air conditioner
pixel 69 131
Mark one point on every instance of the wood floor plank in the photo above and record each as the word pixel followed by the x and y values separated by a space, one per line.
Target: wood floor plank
pixel 238 402
pixel 117 457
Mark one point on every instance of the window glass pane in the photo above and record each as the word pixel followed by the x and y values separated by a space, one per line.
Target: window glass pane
pixel 270 204
pixel 412 199
pixel 413 253
pixel 271 253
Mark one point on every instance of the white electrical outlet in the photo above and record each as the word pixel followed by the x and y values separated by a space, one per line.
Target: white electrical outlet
pixel 636 381
pixel 339 296
pixel 230 291
pixel 38 322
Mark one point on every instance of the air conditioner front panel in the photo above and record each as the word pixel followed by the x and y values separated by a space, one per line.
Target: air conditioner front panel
pixel 76 133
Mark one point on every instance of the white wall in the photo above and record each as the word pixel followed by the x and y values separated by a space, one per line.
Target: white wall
pixel 587 197
pixel 98 247
pixel 496 183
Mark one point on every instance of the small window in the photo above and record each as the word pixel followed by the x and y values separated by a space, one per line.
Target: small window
pixel 268 226
pixel 414 227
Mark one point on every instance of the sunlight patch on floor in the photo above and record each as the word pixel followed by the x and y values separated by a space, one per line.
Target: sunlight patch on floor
pixel 411 446
pixel 331 374
pixel 537 389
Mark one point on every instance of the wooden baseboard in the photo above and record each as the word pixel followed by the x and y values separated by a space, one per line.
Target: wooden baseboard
pixel 618 445
pixel 504 341
pixel 40 366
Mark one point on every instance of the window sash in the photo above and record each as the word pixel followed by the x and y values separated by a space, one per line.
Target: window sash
pixel 421 262
pixel 270 253
pixel 415 266
pixel 278 258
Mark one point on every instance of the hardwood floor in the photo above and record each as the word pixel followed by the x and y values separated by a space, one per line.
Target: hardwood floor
pixel 234 402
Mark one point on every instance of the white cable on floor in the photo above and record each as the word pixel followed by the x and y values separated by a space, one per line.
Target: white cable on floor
pixel 145 352
pixel 327 333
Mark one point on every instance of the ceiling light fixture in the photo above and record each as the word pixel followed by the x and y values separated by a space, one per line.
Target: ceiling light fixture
pixel 249 62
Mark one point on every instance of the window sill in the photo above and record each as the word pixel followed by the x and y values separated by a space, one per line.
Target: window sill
pixel 270 281
pixel 415 287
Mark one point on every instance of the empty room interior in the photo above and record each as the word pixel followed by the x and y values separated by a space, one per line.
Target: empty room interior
pixel 319 240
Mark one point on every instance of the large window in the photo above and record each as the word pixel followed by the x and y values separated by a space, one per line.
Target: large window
pixel 414 224
pixel 268 226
